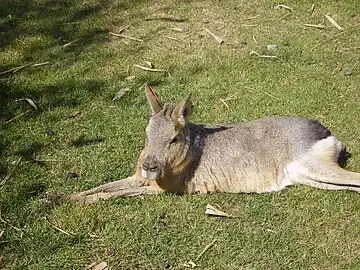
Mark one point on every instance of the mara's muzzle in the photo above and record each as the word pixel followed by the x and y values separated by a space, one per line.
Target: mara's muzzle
pixel 150 169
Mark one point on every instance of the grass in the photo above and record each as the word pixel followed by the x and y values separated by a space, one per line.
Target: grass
pixel 299 228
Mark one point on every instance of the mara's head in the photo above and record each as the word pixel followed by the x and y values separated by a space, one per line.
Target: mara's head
pixel 167 137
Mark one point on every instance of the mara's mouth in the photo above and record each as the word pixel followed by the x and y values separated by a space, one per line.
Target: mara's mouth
pixel 150 174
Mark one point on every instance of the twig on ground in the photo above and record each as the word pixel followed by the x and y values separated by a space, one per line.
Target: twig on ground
pixel 263 55
pixel 151 69
pixel 30 101
pixel 165 18
pixel 124 36
pixel 172 38
pixel 252 17
pixel 223 101
pixel 16 69
pixel 283 7
pixel 177 29
pixel 217 38
pixel 7 177
pixel 122 29
pixel 285 16
pixel 312 9
pixel 20 68
pixel 190 264
pixel 205 249
pixel 57 228
pixel 254 39
pixel 13 70
pixel 70 43
pixel 318 26
pixel 17 116
pixel 40 64
pixel 334 23
pixel 249 25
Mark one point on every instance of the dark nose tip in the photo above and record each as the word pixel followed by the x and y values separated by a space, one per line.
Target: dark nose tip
pixel 153 168
pixel 150 166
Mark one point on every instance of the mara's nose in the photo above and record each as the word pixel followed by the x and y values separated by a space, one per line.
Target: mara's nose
pixel 150 165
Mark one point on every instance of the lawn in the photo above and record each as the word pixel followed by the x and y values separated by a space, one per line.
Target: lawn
pixel 60 55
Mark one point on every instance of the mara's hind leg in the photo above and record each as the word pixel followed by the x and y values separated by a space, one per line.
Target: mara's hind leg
pixel 321 185
pixel 319 167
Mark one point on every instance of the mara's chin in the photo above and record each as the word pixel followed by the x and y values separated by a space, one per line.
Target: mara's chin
pixel 149 175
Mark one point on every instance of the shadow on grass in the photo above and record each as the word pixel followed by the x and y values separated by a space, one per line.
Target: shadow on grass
pixel 57 19
pixel 36 31
pixel 55 23
pixel 66 94
pixel 82 141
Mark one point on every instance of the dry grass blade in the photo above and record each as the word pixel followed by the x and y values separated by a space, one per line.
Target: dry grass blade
pixel 151 65
pixel 70 43
pixel 57 228
pixel 120 93
pixel 40 64
pixel 17 116
pixel 223 102
pixel 212 211
pixel 312 9
pixel 166 18
pixel 123 36
pixel 16 69
pixel 205 249
pixel 334 23
pixel 97 266
pixel 283 7
pixel 263 55
pixel 217 38
pixel 13 70
pixel 30 101
pixel 177 29
pixel 8 71
pixel 7 177
pixel 172 38
pixel 318 26
pixel 190 264
pixel 151 69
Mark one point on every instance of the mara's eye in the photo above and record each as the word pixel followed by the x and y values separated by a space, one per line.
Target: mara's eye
pixel 175 140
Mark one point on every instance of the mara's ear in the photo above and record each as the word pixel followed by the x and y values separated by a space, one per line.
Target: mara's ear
pixel 183 110
pixel 153 100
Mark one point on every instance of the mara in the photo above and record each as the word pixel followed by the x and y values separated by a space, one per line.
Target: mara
pixel 263 155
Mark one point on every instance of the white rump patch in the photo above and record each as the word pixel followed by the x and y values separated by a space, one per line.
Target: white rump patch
pixel 327 143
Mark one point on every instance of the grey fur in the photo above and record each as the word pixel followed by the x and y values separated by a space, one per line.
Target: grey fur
pixel 263 155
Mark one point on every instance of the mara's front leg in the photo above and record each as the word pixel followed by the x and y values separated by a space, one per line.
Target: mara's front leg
pixel 127 187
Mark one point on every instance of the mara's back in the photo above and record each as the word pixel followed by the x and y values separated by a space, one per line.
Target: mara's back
pixel 251 156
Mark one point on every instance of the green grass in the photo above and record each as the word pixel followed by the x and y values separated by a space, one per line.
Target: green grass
pixel 299 228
